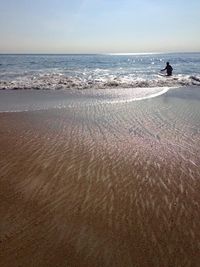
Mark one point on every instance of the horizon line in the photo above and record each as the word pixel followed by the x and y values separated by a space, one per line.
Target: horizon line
pixel 97 53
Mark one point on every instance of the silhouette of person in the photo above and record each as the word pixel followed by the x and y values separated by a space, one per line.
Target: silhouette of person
pixel 169 69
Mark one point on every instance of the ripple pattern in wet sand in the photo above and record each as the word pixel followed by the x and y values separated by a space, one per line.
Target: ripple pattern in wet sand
pixel 104 185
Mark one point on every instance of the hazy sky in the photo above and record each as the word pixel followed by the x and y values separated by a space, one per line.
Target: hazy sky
pixel 99 26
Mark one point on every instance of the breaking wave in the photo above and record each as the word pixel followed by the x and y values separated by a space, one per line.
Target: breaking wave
pixel 57 81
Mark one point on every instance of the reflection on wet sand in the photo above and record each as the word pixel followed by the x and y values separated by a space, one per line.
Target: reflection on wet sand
pixel 104 185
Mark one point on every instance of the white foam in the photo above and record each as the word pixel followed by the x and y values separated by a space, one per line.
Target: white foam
pixel 58 81
pixel 125 95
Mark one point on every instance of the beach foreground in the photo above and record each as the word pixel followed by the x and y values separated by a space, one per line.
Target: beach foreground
pixel 103 185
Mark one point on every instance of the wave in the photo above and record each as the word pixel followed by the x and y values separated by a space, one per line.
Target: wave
pixel 56 81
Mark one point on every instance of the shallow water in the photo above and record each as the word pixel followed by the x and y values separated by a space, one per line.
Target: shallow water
pixel 29 100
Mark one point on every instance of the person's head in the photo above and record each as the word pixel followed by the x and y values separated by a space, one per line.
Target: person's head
pixel 167 63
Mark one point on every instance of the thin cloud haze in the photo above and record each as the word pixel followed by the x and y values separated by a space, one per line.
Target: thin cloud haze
pixel 94 26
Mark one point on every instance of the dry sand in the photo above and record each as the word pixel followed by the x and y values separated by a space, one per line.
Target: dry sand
pixel 113 185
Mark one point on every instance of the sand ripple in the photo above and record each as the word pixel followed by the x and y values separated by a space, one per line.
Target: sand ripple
pixel 104 185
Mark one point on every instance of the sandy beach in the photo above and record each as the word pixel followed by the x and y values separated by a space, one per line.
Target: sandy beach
pixel 111 185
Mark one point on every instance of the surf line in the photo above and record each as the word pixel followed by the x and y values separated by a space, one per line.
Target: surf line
pixel 165 90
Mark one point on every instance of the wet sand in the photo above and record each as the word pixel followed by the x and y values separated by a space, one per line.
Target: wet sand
pixel 103 185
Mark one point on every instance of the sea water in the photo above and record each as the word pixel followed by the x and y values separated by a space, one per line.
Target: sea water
pixel 97 71
pixel 74 80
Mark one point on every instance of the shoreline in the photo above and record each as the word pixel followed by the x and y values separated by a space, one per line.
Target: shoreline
pixel 42 100
pixel 104 185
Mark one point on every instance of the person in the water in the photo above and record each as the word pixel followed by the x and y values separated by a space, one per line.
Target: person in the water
pixel 169 69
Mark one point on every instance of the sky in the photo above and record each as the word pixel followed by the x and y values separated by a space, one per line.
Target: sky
pixel 99 26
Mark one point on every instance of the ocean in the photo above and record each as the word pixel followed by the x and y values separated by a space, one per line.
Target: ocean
pixel 74 80
pixel 56 72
